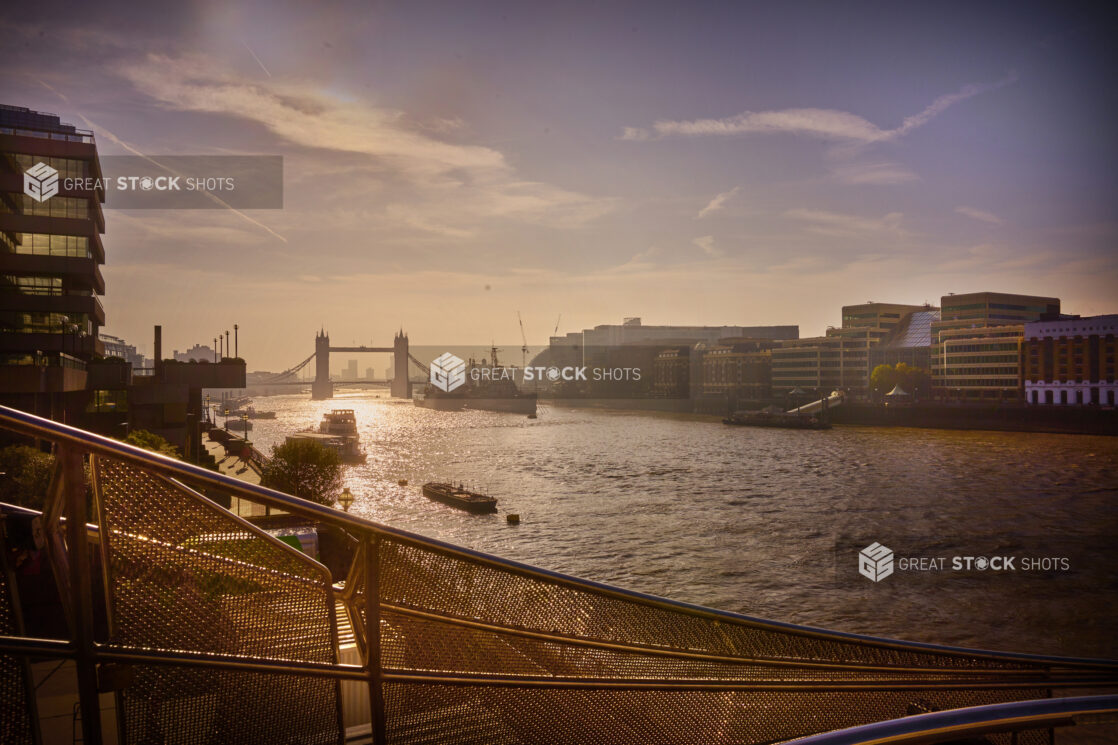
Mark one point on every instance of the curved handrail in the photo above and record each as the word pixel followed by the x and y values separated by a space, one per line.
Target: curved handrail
pixel 35 426
pixel 954 724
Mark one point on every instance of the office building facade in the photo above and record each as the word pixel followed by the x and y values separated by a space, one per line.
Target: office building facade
pixel 976 344
pixel 50 258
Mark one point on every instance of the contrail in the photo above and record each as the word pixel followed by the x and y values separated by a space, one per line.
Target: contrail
pixel 149 159
pixel 265 69
pixel 52 90
pixel 134 151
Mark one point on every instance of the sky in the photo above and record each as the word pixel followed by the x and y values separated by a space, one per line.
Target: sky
pixel 447 165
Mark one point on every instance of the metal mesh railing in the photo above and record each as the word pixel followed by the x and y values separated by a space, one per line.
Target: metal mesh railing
pixel 217 632
pixel 16 693
pixel 183 574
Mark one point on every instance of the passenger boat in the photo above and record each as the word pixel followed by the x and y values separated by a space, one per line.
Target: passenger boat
pixel 341 422
pixel 457 496
pixel 337 431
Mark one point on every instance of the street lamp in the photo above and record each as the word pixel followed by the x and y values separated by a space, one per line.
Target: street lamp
pixel 346 499
pixel 226 418
pixel 244 425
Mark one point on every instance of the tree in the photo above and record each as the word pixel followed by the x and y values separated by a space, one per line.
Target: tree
pixel 915 380
pixel 141 438
pixel 305 468
pixel 883 378
pixel 27 473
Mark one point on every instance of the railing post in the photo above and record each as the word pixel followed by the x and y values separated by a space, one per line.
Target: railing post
pixel 372 639
pixel 73 477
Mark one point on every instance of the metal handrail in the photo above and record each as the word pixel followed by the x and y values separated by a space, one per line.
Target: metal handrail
pixel 34 426
pixel 955 724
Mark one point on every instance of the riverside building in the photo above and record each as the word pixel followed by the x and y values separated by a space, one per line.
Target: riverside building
pixel 840 359
pixel 976 344
pixel 1071 362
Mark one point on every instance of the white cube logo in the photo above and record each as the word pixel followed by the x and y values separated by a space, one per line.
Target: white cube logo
pixel 875 562
pixel 40 182
pixel 448 372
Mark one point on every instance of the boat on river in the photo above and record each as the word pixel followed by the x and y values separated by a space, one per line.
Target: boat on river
pixel 460 497
pixel 488 386
pixel 337 431
pixel 776 419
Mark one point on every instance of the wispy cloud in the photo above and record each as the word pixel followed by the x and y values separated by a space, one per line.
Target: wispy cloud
pixel 878 174
pixel 978 214
pixel 452 186
pixel 706 242
pixel 716 204
pixel 827 124
pixel 836 224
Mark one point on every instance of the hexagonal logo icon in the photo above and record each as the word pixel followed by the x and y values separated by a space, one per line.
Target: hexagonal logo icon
pixel 40 182
pixel 448 372
pixel 875 562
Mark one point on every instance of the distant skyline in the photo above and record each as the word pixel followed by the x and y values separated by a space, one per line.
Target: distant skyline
pixel 448 165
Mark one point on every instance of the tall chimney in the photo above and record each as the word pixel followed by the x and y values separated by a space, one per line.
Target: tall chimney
pixel 158 352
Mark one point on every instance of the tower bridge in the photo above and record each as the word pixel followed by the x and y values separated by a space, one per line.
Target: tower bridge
pixel 322 387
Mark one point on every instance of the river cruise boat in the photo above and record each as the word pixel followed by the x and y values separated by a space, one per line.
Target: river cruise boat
pixel 342 422
pixel 460 497
pixel 337 431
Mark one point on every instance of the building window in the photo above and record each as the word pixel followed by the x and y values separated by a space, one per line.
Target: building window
pixel 45 244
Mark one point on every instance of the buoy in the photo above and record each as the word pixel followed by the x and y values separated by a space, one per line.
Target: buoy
pixel 402 482
pixel 512 519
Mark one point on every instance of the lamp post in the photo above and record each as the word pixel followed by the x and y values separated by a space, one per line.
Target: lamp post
pixel 244 426
pixel 236 343
pixel 226 418
pixel 346 499
pixel 226 342
pixel 215 350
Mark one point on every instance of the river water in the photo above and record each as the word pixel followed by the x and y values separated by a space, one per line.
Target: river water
pixel 748 519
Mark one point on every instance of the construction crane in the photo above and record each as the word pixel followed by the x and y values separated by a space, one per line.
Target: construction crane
pixel 557 320
pixel 524 340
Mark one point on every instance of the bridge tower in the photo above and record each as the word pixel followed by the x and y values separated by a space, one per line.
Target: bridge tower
pixel 401 386
pixel 322 387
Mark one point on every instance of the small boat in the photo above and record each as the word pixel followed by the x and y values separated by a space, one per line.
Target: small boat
pixel 458 496
pixel 774 419
pixel 253 413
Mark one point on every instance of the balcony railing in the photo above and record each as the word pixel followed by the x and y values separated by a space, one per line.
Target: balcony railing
pixel 212 630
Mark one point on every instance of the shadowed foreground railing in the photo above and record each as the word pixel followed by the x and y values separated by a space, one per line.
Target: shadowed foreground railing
pixel 211 630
